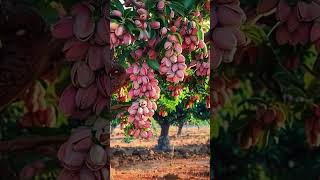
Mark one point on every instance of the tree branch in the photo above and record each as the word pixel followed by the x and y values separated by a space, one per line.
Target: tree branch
pixel 30 142
pixel 120 106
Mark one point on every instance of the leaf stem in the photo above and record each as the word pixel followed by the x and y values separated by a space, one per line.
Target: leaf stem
pixel 273 28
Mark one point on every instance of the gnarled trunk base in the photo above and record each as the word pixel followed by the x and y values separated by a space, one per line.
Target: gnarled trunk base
pixel 164 140
pixel 164 144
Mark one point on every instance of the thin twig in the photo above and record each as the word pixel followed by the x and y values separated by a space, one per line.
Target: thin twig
pixel 255 19
pixel 273 28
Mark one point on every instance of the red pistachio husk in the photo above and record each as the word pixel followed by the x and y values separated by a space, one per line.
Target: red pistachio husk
pixel 75 49
pixel 81 74
pixel 67 103
pixel 104 85
pixel 63 29
pixel 86 97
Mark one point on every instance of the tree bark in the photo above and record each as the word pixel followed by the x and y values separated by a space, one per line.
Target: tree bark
pixel 164 140
pixel 180 129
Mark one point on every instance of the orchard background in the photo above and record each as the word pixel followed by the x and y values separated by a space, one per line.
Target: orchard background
pixel 269 127
pixel 71 69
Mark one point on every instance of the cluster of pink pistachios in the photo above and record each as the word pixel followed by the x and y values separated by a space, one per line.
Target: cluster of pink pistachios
pixel 202 67
pixel 81 158
pixel 137 54
pixel 144 90
pixel 227 36
pixel 173 64
pixel 40 118
pixel 188 31
pixel 141 112
pixel 296 22
pixel 119 35
pixel 223 91
pixel 176 90
pixel 152 53
pixel 299 23
pixel 143 16
pixel 266 118
pixel 86 46
pixel 150 50
pixel 141 23
pixel 79 103
pixel 143 82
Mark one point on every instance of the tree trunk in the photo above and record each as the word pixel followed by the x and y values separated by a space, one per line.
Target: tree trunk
pixel 180 129
pixel 164 140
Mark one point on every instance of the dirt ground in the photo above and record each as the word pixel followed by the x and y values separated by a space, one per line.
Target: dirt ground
pixel 139 160
pixel 190 135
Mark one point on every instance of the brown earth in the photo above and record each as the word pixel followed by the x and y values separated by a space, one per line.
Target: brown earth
pixel 140 160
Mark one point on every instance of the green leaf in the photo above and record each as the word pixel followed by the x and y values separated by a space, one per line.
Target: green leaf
pixel 152 33
pixel 214 128
pixel 295 91
pixel 122 59
pixel 163 21
pixel 316 67
pixel 150 4
pixel 167 10
pixel 153 64
pixel 263 139
pixel 239 123
pixel 128 139
pixel 253 100
pixel 200 34
pixel 129 13
pixel 255 33
pixel 160 45
pixel 188 4
pixel 178 7
pixel 132 28
pixel 118 5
